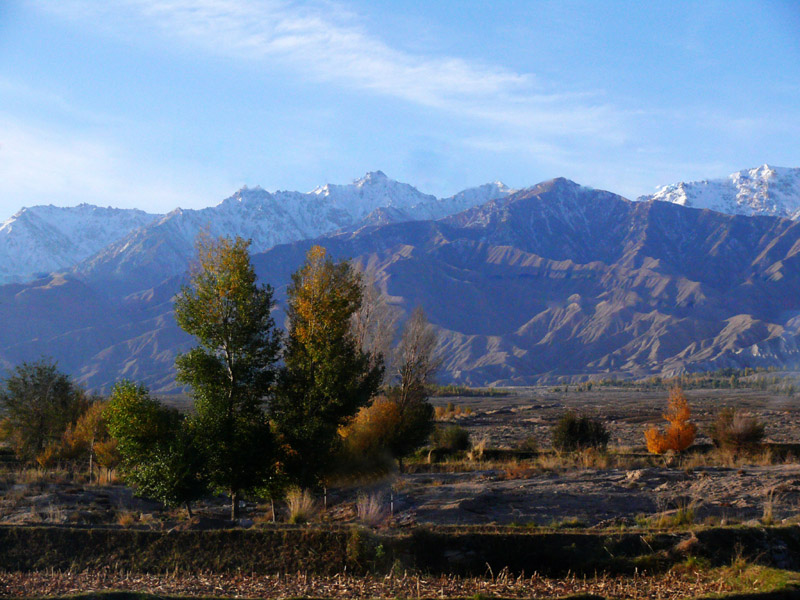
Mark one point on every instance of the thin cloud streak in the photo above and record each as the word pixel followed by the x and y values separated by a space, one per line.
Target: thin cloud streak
pixel 323 43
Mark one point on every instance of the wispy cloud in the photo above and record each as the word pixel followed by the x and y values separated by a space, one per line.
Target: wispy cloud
pixel 39 164
pixel 325 43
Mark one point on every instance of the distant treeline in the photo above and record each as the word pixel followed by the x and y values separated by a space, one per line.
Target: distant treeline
pixel 764 379
pixel 442 391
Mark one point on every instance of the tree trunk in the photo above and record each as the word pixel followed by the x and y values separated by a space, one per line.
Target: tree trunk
pixel 189 509
pixel 234 505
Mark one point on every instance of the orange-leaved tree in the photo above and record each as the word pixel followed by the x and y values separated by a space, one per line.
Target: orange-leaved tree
pixel 680 432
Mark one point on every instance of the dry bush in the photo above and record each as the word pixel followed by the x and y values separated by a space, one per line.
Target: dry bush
pixel 681 431
pixel 576 432
pixel 55 514
pixel 517 470
pixel 126 518
pixel 736 431
pixel 451 439
pixel 591 458
pixel 371 509
pixel 529 444
pixel 48 457
pixel 301 505
pixel 478 448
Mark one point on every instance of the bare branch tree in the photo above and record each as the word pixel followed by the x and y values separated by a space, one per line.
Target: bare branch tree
pixel 374 325
pixel 416 360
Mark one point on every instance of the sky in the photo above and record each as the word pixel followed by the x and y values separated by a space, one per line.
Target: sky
pixel 159 104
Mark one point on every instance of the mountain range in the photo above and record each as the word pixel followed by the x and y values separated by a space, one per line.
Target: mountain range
pixel 765 191
pixel 100 242
pixel 556 281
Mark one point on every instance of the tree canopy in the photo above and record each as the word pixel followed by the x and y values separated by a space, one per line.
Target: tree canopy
pixel 232 369
pixel 327 375
pixel 38 403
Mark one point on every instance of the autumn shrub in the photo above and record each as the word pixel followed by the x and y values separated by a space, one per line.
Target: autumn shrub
pixel 735 431
pixel 367 441
pixel 680 432
pixel 372 428
pixel 451 439
pixel 576 432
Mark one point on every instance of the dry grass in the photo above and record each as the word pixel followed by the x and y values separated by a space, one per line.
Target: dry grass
pixel 371 509
pixel 613 458
pixel 126 518
pixel 478 449
pixel 302 506
pixel 731 459
pixel 770 501
pixel 689 581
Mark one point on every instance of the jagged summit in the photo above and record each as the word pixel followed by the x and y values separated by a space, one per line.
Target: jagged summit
pixel 164 249
pixel 765 190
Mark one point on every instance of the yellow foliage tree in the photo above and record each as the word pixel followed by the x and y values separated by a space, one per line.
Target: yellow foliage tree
pixel 680 432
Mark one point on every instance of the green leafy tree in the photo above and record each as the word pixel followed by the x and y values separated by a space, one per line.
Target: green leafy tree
pixel 156 445
pixel 327 376
pixel 38 403
pixel 232 370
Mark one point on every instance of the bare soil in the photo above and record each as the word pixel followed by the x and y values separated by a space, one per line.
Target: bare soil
pixel 629 490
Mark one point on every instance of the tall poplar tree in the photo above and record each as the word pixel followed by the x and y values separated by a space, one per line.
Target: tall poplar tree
pixel 232 369
pixel 327 376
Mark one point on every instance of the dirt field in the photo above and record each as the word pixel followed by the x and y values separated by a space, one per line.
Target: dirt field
pixel 505 421
pixel 625 488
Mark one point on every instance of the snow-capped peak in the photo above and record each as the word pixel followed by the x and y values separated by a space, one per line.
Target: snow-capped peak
pixel 267 218
pixel 46 238
pixel 764 190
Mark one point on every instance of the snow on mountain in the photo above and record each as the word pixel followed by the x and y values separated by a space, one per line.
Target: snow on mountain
pixel 42 239
pixel 765 190
pixel 163 248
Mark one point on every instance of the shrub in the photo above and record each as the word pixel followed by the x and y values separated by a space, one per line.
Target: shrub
pixel 735 431
pixel 680 432
pixel 371 509
pixel 373 427
pixel 529 444
pixel 576 432
pixel 451 439
pixel 302 506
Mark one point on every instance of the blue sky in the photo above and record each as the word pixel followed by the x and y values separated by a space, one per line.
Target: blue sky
pixel 138 103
